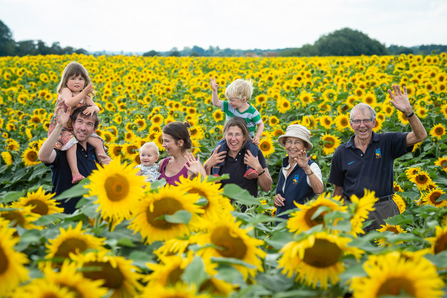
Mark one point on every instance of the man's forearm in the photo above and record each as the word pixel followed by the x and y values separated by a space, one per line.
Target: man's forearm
pixel 45 152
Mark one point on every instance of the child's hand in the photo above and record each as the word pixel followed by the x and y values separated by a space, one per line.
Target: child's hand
pixel 89 111
pixel 255 141
pixel 213 84
pixel 89 89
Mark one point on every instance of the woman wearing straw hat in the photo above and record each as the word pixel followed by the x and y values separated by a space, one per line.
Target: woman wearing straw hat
pixel 300 178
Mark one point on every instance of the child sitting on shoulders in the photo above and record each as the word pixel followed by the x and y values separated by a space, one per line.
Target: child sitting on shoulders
pixel 238 94
pixel 148 156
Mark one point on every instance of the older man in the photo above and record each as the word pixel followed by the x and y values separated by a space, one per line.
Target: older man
pixel 83 127
pixel 366 160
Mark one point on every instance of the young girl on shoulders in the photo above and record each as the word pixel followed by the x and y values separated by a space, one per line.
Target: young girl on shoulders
pixel 75 90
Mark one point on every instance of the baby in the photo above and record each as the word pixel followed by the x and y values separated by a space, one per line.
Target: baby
pixel 148 156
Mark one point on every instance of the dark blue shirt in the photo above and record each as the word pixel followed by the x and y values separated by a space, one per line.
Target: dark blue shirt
pixel 61 173
pixel 296 189
pixel 355 171
pixel 236 168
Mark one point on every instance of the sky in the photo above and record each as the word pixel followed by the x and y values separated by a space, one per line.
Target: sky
pixel 144 25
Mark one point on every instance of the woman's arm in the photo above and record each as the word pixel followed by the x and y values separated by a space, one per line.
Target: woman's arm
pixel 264 180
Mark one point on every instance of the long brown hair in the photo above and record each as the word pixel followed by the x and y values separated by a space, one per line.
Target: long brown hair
pixel 73 69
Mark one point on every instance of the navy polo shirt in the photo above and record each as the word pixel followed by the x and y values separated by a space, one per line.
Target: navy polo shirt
pixel 61 173
pixel 354 170
pixel 236 168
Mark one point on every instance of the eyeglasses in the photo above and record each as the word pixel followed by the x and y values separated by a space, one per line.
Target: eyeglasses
pixel 292 142
pixel 236 135
pixel 365 121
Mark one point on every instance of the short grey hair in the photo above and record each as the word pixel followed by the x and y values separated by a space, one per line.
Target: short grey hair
pixel 362 107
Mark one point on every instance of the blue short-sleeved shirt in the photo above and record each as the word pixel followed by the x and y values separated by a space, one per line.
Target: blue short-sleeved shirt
pixel 354 170
pixel 61 173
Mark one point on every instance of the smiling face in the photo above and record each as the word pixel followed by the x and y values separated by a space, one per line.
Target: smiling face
pixel 83 128
pixel 235 139
pixel 148 156
pixel 293 146
pixel 172 147
pixel 362 131
pixel 236 103
pixel 76 83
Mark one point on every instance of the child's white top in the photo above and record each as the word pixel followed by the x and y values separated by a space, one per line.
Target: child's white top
pixel 151 172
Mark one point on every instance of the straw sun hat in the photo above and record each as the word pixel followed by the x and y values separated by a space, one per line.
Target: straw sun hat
pixel 296 131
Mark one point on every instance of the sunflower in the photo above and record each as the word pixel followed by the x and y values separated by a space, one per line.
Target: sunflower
pixel 397 187
pixel 421 179
pixel 396 229
pixel 302 220
pixel 150 210
pixel 179 290
pixel 441 162
pixel 216 203
pixel 218 116
pixel 431 198
pixel 43 288
pixel 283 105
pixel 330 142
pixel 273 121
pixel 117 188
pixel 116 273
pixel 444 110
pixel 402 118
pixel 12 269
pixel 72 241
pixel 316 259
pixel 11 144
pixel 21 216
pixel 378 126
pixel 361 208
pixel 170 269
pixel 7 158
pixel 437 131
pixel 157 120
pixel 30 157
pixel 74 281
pixel 229 241
pixel 115 151
pixel 412 171
pixel 326 122
pixel 266 146
pixel 400 203
pixel 393 273
pixel 173 246
pixel 341 122
pixel 43 204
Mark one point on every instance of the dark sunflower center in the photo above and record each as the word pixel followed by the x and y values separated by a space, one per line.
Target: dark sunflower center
pixel 232 246
pixel 392 229
pixel 167 206
pixel 40 207
pixel 14 216
pixel 439 131
pixel 117 187
pixel 73 290
pixel 112 276
pixel 434 196
pixel 440 245
pixel 174 276
pixel 4 262
pixel 117 150
pixel 329 142
pixel 70 246
pixel 132 149
pixel 265 146
pixel 421 178
pixel 395 286
pixel 322 254
pixel 32 156
pixel 316 221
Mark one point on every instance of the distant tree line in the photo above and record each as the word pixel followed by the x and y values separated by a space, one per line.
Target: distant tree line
pixel 10 47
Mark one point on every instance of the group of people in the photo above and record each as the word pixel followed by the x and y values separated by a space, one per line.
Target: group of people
pixel 73 150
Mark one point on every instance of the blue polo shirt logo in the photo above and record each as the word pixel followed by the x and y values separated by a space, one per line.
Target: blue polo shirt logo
pixel 295 179
pixel 378 154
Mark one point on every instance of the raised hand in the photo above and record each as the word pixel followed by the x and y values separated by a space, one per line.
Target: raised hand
pixel 195 166
pixel 302 160
pixel 400 100
pixel 89 111
pixel 252 161
pixel 89 89
pixel 213 84
pixel 216 158
pixel 61 116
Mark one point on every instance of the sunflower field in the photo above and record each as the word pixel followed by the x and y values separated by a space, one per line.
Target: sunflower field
pixel 148 240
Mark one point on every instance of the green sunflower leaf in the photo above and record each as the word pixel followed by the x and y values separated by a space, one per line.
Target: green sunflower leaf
pixel 181 216
pixel 195 272
pixel 235 192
